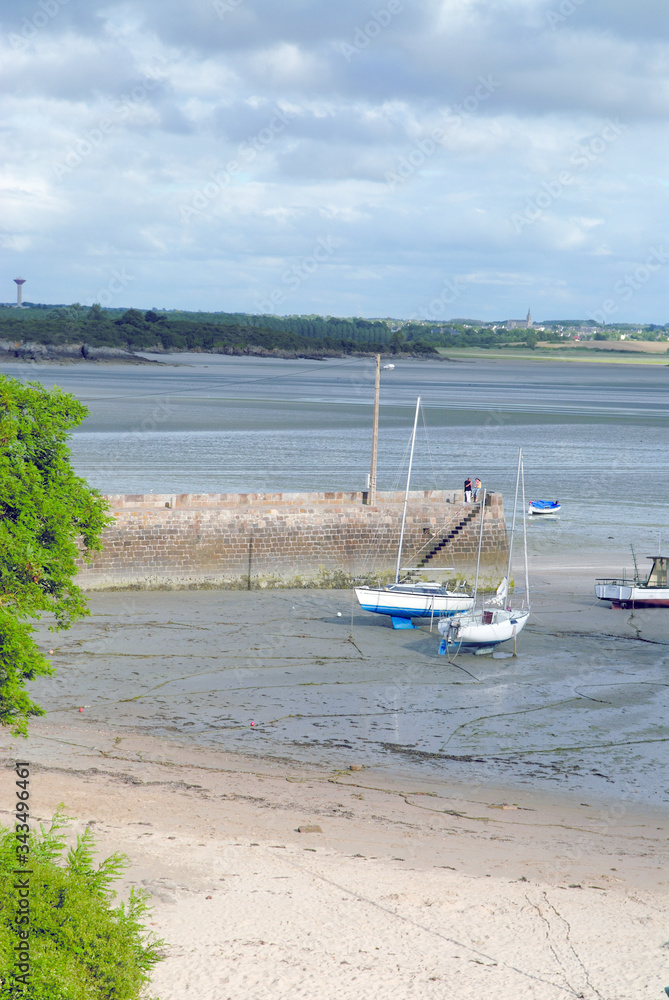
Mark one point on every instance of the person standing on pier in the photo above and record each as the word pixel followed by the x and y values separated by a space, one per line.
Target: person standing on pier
pixel 477 489
pixel 468 490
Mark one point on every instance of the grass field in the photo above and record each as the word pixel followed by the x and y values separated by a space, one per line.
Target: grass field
pixel 642 353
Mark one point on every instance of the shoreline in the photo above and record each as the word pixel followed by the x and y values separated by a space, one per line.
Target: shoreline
pixel 45 354
pixel 409 888
pixel 528 861
pixel 68 759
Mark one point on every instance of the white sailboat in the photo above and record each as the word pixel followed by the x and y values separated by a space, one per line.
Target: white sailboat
pixel 486 627
pixel 404 601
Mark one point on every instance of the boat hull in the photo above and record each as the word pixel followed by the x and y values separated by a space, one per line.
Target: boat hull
pixel 545 508
pixel 473 631
pixel 622 595
pixel 407 606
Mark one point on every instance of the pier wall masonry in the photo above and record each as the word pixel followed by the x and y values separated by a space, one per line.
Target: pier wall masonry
pixel 292 539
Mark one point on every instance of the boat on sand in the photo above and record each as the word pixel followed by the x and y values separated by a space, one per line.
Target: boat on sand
pixel 404 601
pixel 481 629
pixel 651 592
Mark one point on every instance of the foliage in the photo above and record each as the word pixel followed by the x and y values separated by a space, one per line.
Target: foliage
pixel 243 333
pixel 456 335
pixel 44 509
pixel 224 333
pixel 81 947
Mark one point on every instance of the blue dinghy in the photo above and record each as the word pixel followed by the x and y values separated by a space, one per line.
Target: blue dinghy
pixel 544 506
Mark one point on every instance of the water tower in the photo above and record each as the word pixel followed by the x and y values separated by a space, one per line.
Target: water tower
pixel 20 282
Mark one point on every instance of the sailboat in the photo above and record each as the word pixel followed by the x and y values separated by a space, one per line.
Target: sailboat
pixel 404 601
pixel 488 626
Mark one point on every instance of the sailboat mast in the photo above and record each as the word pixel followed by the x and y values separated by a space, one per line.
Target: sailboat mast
pixel 406 495
pixel 478 557
pixel 513 522
pixel 527 574
pixel 371 493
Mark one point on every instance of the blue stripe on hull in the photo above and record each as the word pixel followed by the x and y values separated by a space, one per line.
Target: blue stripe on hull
pixel 455 642
pixel 403 613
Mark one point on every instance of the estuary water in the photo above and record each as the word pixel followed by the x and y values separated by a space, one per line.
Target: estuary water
pixel 594 435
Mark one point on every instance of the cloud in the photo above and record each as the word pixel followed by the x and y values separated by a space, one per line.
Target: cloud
pixel 219 141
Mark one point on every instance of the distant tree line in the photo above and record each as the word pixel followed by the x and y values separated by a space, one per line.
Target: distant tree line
pixel 454 336
pixel 223 333
pixel 242 333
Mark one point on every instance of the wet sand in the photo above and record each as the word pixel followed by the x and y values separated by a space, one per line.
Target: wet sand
pixel 504 832
pixel 580 711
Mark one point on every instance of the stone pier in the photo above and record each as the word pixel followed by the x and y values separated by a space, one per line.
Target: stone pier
pixel 293 539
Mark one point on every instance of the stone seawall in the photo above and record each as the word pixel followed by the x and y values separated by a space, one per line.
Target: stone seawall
pixel 298 539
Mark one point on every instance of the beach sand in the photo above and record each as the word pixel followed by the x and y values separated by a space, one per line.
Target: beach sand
pixel 410 890
pixel 484 870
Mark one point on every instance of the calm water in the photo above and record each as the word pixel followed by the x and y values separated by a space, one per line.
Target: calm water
pixel 594 435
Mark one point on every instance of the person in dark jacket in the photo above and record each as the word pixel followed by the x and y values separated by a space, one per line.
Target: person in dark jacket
pixel 468 490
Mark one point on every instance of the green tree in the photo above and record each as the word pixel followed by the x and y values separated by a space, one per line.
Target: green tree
pixel 132 317
pixel 81 945
pixel 44 510
pixel 397 341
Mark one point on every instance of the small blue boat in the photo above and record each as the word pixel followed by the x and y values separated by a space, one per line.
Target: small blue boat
pixel 544 506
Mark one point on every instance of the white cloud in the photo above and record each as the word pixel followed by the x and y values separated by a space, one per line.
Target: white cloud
pixel 119 115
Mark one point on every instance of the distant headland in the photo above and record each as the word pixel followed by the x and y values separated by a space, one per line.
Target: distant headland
pixel 60 333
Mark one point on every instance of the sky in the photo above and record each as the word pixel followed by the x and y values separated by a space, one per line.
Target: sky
pixel 425 159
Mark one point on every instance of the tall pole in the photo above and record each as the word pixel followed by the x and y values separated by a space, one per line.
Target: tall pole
pixel 513 523
pixel 371 494
pixel 406 495
pixel 527 572
pixel 478 557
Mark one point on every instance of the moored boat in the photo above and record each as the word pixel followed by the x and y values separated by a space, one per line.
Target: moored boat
pixel 483 627
pixel 544 506
pixel 404 601
pixel 651 592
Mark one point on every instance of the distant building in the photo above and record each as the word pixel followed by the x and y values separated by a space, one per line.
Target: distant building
pixel 520 324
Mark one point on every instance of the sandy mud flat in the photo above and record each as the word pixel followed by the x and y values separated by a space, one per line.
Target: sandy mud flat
pixel 502 830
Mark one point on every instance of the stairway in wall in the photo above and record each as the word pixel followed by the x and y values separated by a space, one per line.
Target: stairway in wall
pixel 448 538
